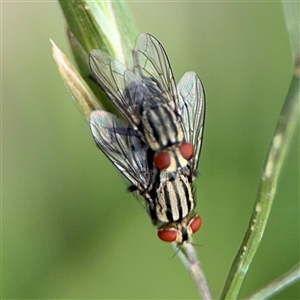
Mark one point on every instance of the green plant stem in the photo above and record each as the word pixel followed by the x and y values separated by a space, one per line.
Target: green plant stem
pixel 80 92
pixel 291 14
pixel 188 256
pixel 277 152
pixel 106 25
pixel 280 143
pixel 278 284
pixel 276 155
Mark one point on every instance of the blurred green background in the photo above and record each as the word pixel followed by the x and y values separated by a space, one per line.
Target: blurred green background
pixel 69 228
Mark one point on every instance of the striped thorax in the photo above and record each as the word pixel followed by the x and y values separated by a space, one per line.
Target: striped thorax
pixel 159 125
pixel 163 133
pixel 173 199
pixel 172 209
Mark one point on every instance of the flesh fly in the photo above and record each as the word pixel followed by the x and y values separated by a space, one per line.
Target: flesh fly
pixel 157 148
pixel 169 202
pixel 169 118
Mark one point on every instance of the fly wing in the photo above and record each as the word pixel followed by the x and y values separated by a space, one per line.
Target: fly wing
pixel 152 65
pixel 192 106
pixel 125 89
pixel 122 146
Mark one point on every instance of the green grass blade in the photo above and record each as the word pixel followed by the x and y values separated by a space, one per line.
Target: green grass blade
pixel 286 125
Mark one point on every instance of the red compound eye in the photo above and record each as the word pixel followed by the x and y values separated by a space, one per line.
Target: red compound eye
pixel 195 224
pixel 162 160
pixel 168 236
pixel 186 150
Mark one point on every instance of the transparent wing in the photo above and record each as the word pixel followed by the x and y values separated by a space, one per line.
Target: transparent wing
pixel 152 65
pixel 192 106
pixel 125 89
pixel 123 147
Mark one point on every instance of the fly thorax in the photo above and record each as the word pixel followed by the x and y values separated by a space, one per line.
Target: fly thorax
pixel 152 213
pixel 174 199
pixel 160 125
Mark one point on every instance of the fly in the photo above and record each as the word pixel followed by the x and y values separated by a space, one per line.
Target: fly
pixel 169 118
pixel 165 130
pixel 169 202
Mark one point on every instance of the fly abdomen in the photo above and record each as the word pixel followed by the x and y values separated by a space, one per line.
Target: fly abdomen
pixel 159 124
